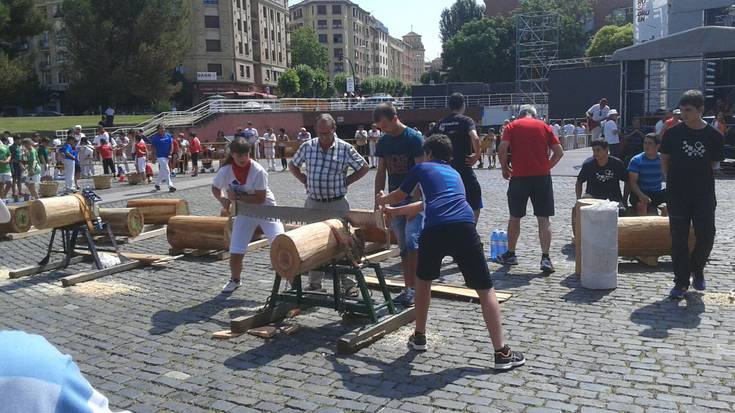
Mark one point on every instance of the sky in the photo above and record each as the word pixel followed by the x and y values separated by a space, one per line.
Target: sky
pixel 401 16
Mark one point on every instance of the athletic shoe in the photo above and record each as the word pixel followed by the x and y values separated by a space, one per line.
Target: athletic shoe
pixel 405 298
pixel 351 292
pixel 677 293
pixel 231 286
pixel 172 189
pixel 698 282
pixel 507 259
pixel 417 341
pixel 173 174
pixel 442 279
pixel 506 358
pixel 546 266
pixel 157 188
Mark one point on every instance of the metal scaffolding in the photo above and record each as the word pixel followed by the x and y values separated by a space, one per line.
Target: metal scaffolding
pixel 537 47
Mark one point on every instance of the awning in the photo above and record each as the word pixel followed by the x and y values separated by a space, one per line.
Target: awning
pixel 689 43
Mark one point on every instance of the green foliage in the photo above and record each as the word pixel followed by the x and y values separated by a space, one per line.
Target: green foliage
pixel 482 51
pixel 575 18
pixel 288 83
pixel 609 39
pixel 306 49
pixel 383 85
pixel 428 77
pixel 19 20
pixel 456 16
pixel 313 83
pixel 125 52
pixel 340 83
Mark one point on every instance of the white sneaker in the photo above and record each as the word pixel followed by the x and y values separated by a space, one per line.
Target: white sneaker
pixel 231 286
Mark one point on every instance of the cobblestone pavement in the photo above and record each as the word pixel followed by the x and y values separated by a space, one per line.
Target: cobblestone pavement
pixel 143 337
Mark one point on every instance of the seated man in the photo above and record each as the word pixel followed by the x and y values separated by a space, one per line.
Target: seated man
pixel 645 177
pixel 603 174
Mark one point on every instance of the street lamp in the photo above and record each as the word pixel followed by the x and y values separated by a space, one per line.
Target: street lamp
pixel 352 70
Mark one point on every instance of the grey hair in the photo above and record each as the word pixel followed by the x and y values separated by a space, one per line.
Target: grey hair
pixel 327 118
pixel 526 110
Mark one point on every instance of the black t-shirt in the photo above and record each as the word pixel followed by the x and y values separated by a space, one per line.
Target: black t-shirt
pixel 457 128
pixel 692 153
pixel 603 182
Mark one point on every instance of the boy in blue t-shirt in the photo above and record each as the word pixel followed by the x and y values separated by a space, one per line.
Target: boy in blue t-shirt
pixel 449 231
pixel 645 177
pixel 163 144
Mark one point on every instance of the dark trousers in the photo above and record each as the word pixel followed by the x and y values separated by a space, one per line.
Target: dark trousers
pixel 281 152
pixel 108 165
pixel 195 163
pixel 683 211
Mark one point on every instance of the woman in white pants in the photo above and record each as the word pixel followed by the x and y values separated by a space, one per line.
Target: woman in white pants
pixel 243 179
pixel 269 144
pixel 69 155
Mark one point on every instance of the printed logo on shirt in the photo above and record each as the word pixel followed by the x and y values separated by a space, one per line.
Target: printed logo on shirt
pixel 605 176
pixel 694 151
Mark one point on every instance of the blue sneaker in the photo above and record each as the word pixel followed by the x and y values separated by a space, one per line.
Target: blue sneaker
pixel 507 258
pixel 698 282
pixel 404 299
pixel 677 293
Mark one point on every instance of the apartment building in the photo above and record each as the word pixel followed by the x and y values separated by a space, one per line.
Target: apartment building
pixel 359 42
pixel 51 58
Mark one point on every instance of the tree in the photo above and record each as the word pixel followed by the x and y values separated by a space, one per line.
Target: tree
pixel 609 39
pixel 125 52
pixel 482 51
pixel 431 76
pixel 383 85
pixel 19 20
pixel 461 12
pixel 575 18
pixel 306 49
pixel 340 83
pixel 288 83
pixel 312 82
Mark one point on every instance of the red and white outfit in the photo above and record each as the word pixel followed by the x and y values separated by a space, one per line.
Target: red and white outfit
pixel 141 153
pixel 247 180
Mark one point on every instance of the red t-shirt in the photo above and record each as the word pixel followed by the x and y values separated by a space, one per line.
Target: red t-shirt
pixel 195 146
pixel 149 169
pixel 141 149
pixel 530 140
pixel 176 146
pixel 105 151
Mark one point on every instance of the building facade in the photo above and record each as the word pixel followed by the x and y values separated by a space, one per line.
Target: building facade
pixel 602 9
pixel 50 56
pixel 359 42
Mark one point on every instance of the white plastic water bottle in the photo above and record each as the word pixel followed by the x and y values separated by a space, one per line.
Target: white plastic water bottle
pixel 503 243
pixel 494 238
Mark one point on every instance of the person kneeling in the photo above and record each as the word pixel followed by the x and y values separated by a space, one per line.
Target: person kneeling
pixel 449 230
pixel 645 177
pixel 243 180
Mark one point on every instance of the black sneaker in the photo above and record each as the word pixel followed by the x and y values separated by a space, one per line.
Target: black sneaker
pixel 546 266
pixel 172 189
pixel 506 359
pixel 507 258
pixel 158 188
pixel 417 341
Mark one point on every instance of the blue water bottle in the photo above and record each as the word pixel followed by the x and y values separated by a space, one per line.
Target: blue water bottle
pixel 503 242
pixel 494 238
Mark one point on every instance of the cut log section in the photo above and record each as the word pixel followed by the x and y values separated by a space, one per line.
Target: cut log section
pixel 159 211
pixel 57 212
pixel 20 220
pixel 646 237
pixel 307 247
pixel 199 233
pixel 126 222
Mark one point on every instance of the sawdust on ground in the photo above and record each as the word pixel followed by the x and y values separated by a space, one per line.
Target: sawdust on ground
pixel 104 289
pixel 719 298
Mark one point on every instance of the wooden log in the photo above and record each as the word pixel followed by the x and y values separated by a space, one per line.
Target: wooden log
pixel 20 220
pixel 648 236
pixel 127 222
pixel 200 233
pixel 57 212
pixel 306 248
pixel 158 211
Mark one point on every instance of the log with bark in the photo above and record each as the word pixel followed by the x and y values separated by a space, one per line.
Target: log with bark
pixel 20 220
pixel 197 232
pixel 125 222
pixel 57 212
pixel 648 236
pixel 158 211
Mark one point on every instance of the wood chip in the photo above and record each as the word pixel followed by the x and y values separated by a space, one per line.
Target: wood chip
pixel 225 335
pixel 263 332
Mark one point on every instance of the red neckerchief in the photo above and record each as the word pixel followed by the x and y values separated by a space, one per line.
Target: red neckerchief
pixel 241 172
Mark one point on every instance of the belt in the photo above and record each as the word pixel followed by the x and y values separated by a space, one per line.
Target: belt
pixel 339 198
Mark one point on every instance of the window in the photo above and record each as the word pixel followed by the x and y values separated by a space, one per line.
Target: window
pixel 238 4
pixel 242 70
pixel 211 1
pixel 299 13
pixel 337 38
pixel 62 78
pixel 212 22
pixel 337 24
pixel 280 57
pixel 266 53
pixel 273 55
pixel 247 71
pixel 215 67
pixel 337 52
pixel 354 26
pixel 321 10
pixel 273 35
pixel 337 9
pixel 279 37
pixel 321 24
pixel 214 46
pixel 354 12
pixel 267 74
pixel 271 15
pixel 265 12
pixel 239 25
pixel 247 49
pixel 239 47
pixel 278 18
pixel 322 38
pixel 339 67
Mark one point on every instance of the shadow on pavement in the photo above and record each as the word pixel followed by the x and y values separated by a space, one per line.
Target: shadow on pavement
pixel 504 279
pixel 165 321
pixel 579 294
pixel 664 315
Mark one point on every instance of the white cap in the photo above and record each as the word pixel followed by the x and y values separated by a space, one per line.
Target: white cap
pixel 677 111
pixel 77 126
pixel 613 112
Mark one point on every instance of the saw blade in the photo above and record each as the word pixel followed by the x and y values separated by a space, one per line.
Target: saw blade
pixel 296 215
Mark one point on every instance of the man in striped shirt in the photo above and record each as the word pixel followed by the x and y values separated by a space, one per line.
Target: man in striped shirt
pixel 645 177
pixel 327 160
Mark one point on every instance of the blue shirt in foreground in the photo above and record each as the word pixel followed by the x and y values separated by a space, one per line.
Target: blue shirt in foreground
pixel 162 145
pixel 650 174
pixel 444 195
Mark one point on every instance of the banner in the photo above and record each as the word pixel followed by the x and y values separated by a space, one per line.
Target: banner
pixel 651 20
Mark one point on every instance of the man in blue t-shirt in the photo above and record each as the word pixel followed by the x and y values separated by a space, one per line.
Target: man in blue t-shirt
pixel 645 177
pixel 449 231
pixel 163 145
pixel 398 150
pixel 69 154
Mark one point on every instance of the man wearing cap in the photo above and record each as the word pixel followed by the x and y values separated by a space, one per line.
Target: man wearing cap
pixel 611 133
pixel 596 116
pixel 672 121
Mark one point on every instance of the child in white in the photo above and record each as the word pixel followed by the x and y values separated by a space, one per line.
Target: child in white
pixel 269 144
pixel 243 179
pixel 374 135
pixel 86 158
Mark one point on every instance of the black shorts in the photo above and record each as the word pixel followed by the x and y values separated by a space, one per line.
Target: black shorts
pixel 657 198
pixel 16 170
pixel 459 241
pixel 472 190
pixel 538 188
